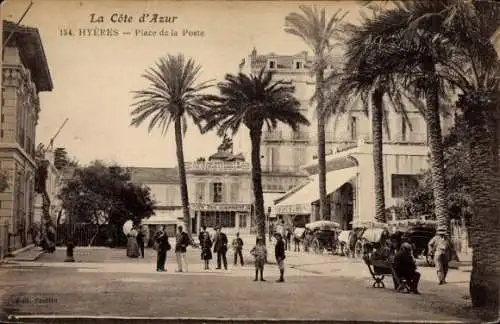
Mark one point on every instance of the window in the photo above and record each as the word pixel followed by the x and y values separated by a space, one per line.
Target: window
pixel 243 220
pixel 224 218
pixel 354 134
pixel 403 130
pixel 403 185
pixel 200 192
pixel 298 65
pixel 275 158
pixel 217 192
pixel 272 64
pixel 235 192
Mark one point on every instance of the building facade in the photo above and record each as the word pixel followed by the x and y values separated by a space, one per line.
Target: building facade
pixel 25 73
pixel 53 185
pixel 288 155
pixel 165 190
pixel 220 192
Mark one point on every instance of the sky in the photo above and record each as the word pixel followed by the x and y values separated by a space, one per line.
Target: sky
pixel 94 76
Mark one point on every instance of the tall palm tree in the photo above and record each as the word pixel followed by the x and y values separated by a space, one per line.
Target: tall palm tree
pixel 172 95
pixel 254 101
pixel 319 33
pixel 473 70
pixel 465 29
pixel 415 58
pixel 364 82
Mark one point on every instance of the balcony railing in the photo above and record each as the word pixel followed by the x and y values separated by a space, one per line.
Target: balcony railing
pixel 285 136
pixel 408 138
pixel 218 166
pixel 280 168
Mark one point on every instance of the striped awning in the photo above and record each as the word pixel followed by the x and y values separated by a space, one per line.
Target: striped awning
pixel 300 202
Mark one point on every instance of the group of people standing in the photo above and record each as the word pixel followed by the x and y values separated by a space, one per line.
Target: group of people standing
pixel 219 243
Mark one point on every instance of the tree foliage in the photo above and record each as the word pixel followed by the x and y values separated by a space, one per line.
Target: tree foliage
pixel 457 178
pixel 62 159
pixel 101 193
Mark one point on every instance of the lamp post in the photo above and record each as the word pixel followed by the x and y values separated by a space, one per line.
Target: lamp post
pixel 269 222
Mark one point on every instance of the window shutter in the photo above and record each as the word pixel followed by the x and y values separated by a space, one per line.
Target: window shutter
pixel 235 186
pixel 223 192
pixel 211 189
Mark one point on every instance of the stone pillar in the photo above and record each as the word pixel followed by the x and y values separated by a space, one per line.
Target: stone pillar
pixel 237 221
pixel 198 221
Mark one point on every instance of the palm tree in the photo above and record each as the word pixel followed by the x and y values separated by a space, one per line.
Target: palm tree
pixel 254 101
pixel 473 70
pixel 172 96
pixel 318 32
pixel 415 59
pixel 465 29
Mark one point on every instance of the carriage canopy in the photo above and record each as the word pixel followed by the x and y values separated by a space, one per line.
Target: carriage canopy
pixel 323 225
pixel 414 222
pixel 344 236
pixel 367 224
pixel 375 235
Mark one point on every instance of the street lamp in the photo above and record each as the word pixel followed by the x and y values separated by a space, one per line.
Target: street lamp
pixel 269 222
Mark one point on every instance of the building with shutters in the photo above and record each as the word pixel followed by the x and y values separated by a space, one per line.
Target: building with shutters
pixel 25 74
pixel 289 159
pixel 220 192
pixel 165 190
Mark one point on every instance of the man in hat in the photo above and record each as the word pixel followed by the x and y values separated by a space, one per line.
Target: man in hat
pixel 279 253
pixel 220 247
pixel 440 248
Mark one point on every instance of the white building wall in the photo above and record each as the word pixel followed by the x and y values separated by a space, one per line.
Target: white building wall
pixel 393 164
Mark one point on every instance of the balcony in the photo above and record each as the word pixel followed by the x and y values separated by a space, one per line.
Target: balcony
pixel 280 168
pixel 218 166
pixel 279 136
pixel 396 138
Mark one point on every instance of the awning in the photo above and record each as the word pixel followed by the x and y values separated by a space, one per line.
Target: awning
pixel 164 217
pixel 300 202
pixel 269 198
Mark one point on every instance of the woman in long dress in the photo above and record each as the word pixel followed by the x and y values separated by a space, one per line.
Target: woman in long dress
pixel 206 253
pixel 132 246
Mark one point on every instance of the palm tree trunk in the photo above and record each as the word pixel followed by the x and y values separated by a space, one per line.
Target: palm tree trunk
pixel 255 137
pixel 182 175
pixel 378 163
pixel 485 224
pixel 436 149
pixel 323 202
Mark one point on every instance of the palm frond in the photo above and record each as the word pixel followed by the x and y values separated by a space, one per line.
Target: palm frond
pixel 172 93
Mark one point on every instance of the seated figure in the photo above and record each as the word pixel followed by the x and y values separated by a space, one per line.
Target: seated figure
pixel 405 267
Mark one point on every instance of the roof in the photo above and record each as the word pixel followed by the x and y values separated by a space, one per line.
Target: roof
pixel 153 175
pixel 226 156
pixel 285 61
pixel 29 43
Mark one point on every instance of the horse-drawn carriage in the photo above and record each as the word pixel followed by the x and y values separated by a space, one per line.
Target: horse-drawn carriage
pixel 321 236
pixel 419 232
pixel 367 236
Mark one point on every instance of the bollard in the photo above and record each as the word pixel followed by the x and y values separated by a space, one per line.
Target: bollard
pixel 69 252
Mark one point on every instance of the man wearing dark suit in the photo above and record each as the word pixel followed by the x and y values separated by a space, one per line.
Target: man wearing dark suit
pixel 162 246
pixel 220 247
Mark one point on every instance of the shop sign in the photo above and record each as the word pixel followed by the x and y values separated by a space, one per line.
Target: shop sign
pixel 293 209
pixel 221 207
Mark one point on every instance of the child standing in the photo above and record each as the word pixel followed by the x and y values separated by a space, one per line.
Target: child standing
pixel 259 251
